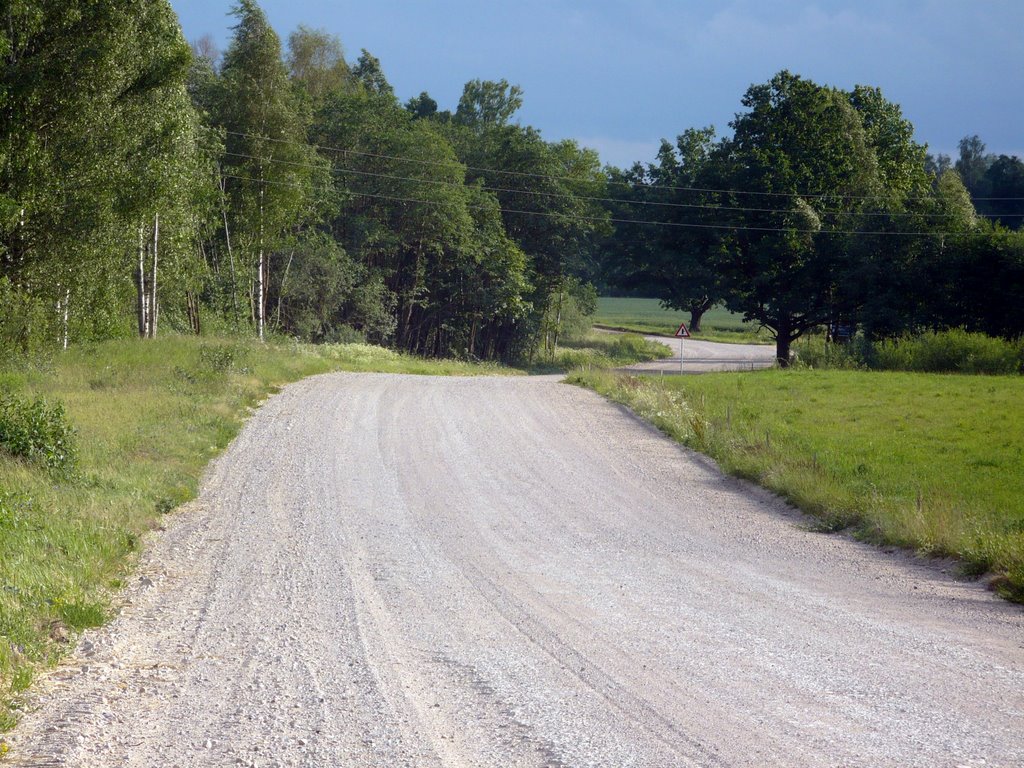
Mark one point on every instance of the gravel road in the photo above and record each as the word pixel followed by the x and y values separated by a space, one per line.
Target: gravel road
pixel 409 571
pixel 705 356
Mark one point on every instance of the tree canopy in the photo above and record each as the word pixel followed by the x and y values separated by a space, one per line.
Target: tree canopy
pixel 263 190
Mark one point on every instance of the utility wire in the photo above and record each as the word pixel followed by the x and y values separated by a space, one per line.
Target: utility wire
pixel 554 177
pixel 457 184
pixel 728 227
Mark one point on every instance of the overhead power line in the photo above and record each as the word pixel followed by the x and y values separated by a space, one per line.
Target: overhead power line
pixel 555 177
pixel 599 219
pixel 589 198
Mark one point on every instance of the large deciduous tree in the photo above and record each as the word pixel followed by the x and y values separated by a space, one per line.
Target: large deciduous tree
pixel 801 162
pixel 829 193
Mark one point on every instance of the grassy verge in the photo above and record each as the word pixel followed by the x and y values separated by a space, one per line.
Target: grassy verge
pixel 601 350
pixel 934 463
pixel 149 416
pixel 648 316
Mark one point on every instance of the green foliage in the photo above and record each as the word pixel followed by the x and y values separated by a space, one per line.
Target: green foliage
pixel 37 431
pixel 369 74
pixel 635 348
pixel 24 321
pixel 599 350
pixel 298 192
pixel 827 151
pixel 825 186
pixel 1002 190
pixel 570 312
pixel 953 351
pixel 929 462
pixel 816 351
pixel 421 106
pixel 488 103
pixel 438 260
pixel 316 63
pixel 84 165
pixel 272 178
pixel 671 263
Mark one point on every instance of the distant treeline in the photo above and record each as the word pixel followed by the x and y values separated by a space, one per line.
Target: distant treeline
pixel 821 211
pixel 147 184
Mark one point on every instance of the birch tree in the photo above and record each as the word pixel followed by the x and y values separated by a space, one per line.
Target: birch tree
pixel 270 172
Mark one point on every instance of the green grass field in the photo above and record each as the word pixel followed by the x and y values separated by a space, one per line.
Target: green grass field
pixel 648 316
pixel 149 416
pixel 934 463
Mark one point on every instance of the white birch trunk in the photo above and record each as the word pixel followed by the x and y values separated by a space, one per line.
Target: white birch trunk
pixel 141 284
pixel 227 241
pixel 67 301
pixel 261 303
pixel 153 306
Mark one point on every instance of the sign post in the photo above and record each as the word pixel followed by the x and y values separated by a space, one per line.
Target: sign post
pixel 681 333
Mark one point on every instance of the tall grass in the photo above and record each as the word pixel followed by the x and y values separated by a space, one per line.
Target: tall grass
pixel 598 350
pixel 951 351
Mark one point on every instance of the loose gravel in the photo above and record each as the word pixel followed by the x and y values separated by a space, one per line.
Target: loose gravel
pixel 408 571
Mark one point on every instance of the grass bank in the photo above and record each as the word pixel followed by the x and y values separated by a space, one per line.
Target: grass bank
pixel 648 316
pixel 934 463
pixel 598 350
pixel 149 416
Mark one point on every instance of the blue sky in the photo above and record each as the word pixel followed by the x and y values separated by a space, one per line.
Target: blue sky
pixel 618 75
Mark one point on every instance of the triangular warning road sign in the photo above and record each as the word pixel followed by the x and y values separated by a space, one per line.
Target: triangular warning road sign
pixel 682 333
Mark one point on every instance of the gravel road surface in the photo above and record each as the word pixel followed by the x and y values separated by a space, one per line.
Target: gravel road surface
pixel 705 356
pixel 409 571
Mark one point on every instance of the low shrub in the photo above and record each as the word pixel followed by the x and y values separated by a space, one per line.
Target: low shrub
pixel 25 323
pixel 38 432
pixel 817 352
pixel 952 351
pixel 220 358
pixel 607 350
pixel 630 346
pixel 571 359
pixel 345 334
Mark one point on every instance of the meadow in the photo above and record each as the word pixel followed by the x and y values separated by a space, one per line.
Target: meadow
pixel 930 462
pixel 648 316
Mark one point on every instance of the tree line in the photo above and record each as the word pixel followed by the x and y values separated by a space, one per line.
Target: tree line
pixel 282 188
pixel 277 188
pixel 822 211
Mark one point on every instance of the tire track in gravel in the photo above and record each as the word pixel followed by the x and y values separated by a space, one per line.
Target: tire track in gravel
pixel 411 571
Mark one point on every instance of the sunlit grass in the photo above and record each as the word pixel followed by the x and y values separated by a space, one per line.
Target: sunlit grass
pixel 934 463
pixel 598 350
